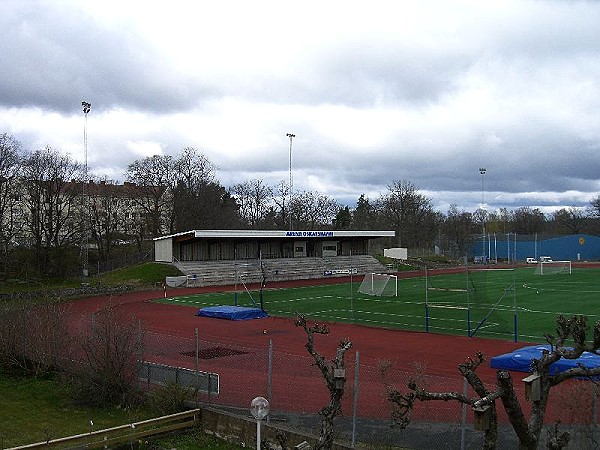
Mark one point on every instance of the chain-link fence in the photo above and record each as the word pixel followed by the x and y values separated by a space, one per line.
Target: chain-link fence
pixel 229 376
pixel 297 391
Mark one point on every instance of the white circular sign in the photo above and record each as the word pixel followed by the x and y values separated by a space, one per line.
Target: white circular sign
pixel 259 407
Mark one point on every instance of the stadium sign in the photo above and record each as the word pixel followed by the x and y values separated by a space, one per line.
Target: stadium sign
pixel 340 271
pixel 309 233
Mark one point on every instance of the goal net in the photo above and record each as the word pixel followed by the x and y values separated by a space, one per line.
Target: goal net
pixel 379 284
pixel 552 267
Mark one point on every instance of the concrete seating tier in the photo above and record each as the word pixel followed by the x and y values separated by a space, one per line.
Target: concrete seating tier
pixel 216 273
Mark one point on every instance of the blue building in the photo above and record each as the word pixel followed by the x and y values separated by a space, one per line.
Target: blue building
pixel 511 247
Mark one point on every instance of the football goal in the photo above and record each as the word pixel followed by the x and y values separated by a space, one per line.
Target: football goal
pixel 553 267
pixel 379 284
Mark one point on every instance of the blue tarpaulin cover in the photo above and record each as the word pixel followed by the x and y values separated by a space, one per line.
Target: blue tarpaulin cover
pixel 520 360
pixel 232 312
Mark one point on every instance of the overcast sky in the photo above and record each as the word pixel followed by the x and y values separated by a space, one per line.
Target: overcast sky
pixel 375 92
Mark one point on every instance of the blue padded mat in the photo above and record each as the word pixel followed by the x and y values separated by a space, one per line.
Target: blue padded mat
pixel 232 312
pixel 520 360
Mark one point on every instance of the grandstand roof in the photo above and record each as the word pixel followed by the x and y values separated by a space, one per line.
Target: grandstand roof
pixel 262 234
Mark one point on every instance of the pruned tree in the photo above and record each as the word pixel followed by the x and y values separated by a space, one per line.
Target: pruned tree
pixel 573 330
pixel 334 374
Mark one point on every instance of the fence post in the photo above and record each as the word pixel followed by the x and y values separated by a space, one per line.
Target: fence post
pixel 270 372
pixel 196 362
pixel 595 410
pixel 208 389
pixel 463 424
pixel 355 406
pixel 140 353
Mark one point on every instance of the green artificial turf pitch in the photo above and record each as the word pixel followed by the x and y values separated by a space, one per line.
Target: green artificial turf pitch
pixel 480 302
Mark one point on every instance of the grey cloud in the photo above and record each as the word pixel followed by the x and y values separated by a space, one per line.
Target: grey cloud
pixel 56 56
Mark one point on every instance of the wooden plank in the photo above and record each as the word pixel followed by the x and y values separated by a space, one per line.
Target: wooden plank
pixel 122 433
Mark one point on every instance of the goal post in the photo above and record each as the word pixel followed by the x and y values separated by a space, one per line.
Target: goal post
pixel 380 285
pixel 553 267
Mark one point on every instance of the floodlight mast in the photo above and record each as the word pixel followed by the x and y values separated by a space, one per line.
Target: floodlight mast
pixel 291 136
pixel 86 213
pixel 482 171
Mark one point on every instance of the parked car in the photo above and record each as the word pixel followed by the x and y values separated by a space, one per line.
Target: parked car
pixel 531 261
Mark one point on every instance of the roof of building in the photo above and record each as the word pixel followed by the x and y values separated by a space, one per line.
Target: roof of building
pixel 274 234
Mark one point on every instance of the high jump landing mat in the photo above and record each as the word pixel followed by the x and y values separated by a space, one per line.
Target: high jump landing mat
pixel 232 312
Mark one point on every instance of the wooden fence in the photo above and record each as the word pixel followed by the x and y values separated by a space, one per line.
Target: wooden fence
pixel 123 434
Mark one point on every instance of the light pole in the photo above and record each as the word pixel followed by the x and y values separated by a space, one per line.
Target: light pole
pixel 85 236
pixel 482 171
pixel 291 136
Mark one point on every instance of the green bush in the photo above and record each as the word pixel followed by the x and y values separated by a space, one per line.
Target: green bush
pixel 169 399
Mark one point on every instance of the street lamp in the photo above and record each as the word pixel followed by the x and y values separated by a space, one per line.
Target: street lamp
pixel 85 237
pixel 259 407
pixel 291 136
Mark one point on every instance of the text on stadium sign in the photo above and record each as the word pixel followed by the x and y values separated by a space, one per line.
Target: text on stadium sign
pixel 309 233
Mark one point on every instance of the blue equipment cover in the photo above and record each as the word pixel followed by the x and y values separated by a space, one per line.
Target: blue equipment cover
pixel 232 312
pixel 520 360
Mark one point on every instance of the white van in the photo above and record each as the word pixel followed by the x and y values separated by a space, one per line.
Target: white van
pixel 545 259
pixel 531 261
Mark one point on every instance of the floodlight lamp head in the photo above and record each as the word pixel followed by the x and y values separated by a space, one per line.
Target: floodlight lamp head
pixel 482 170
pixel 291 135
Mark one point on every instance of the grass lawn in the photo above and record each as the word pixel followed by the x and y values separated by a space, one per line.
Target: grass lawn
pixel 483 302
pixel 140 275
pixel 35 410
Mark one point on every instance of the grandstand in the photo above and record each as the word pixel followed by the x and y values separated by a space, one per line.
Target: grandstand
pixel 219 257
pixel 207 273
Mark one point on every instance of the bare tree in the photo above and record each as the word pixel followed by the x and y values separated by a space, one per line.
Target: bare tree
pixel 34 335
pixel 528 432
pixel 281 199
pixel 457 227
pixel 199 201
pixel 573 220
pixel 409 213
pixel 334 374
pixel 11 160
pixel 108 211
pixel 153 177
pixel 254 201
pixel 54 217
pixel 192 168
pixel 111 348
pixel 311 210
pixel 528 220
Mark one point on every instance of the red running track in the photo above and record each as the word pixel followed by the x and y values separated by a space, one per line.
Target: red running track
pixel 296 385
